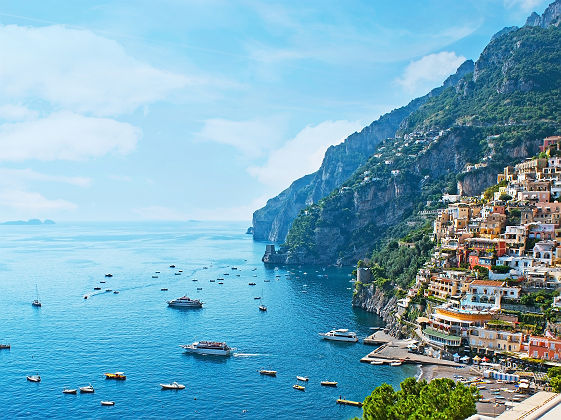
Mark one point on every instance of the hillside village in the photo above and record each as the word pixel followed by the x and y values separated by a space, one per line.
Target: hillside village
pixel 490 287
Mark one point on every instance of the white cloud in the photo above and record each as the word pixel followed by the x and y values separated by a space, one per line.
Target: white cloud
pixel 16 113
pixel 32 204
pixel 525 5
pixel 303 154
pixel 251 137
pixel 66 136
pixel 159 213
pixel 429 71
pixel 78 70
pixel 23 176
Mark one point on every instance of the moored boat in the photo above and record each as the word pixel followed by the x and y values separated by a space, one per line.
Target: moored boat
pixel 97 288
pixel 164 289
pixel 268 372
pixel 341 334
pixel 262 308
pixel 215 348
pixel 69 391
pixel 4 346
pixel 252 284
pixel 395 363
pixel 377 362
pixel 88 389
pixel 302 378
pixel 34 378
pixel 299 387
pixel 328 383
pixel 109 275
pixel 173 385
pixel 115 292
pixel 120 376
pixel 108 403
pixel 185 302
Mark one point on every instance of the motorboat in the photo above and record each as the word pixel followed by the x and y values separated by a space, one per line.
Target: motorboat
pixel 36 302
pixel 257 297
pixel 172 266
pixel 395 363
pixel 328 383
pixel 120 376
pixel 108 290
pixel 208 347
pixel 164 289
pixel 199 288
pixel 266 281
pixel 108 403
pixel 4 347
pixel 115 292
pixel 177 274
pixel 194 280
pixel 268 372
pixel 103 282
pixel 299 387
pixel 89 389
pixel 185 302
pixel 262 308
pixel 34 378
pixel 173 385
pixel 252 284
pixel 220 282
pixel 212 280
pixel 180 271
pixel 86 296
pixel 109 275
pixel 340 335
pixel 157 272
pixel 302 378
pixel 154 277
pixel 97 288
pixel 70 391
pixel 377 362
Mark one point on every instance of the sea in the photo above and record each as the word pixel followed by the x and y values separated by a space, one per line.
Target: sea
pixel 71 341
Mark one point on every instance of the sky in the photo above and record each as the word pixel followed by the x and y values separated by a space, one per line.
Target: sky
pixel 204 109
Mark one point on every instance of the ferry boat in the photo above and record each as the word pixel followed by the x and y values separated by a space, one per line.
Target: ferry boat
pixel 185 302
pixel 208 347
pixel 340 335
pixel 117 375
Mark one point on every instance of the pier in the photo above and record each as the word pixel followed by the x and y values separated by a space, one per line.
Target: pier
pixel 349 402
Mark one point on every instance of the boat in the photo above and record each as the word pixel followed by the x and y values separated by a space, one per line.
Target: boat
pixel 34 378
pixel 212 280
pixel 349 402
pixel 268 372
pixel 69 391
pixel 36 302
pixel 109 275
pixel 185 302
pixel 103 281
pixel 117 375
pixel 181 271
pixel 340 335
pixel 395 363
pixel 194 280
pixel 157 272
pixel 108 403
pixel 266 281
pixel 299 387
pixel 177 274
pixel 220 282
pixel 164 289
pixel 377 362
pixel 257 297
pixel 252 284
pixel 262 308
pixel 173 385
pixel 172 266
pixel 85 296
pixel 302 378
pixel 4 347
pixel 89 389
pixel 154 277
pixel 208 347
pixel 115 292
pixel 328 383
pixel 97 288
pixel 108 290
pixel 199 288
pixel 234 268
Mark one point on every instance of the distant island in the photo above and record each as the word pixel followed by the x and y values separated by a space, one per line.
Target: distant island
pixel 29 222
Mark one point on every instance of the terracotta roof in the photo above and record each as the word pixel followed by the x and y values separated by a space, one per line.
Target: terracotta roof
pixel 487 283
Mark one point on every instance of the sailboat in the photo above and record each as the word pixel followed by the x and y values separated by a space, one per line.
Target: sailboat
pixel 36 302
pixel 262 307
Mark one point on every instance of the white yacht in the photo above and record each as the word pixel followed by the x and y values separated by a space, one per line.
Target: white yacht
pixel 340 335
pixel 208 347
pixel 185 302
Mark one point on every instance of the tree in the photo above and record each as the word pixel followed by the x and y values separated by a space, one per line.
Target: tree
pixel 439 399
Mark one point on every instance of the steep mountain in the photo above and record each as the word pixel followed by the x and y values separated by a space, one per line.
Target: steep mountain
pixel 456 139
pixel 273 221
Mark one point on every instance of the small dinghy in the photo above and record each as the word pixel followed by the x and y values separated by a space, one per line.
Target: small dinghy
pixel 302 378
pixel 268 372
pixel 164 289
pixel 329 383
pixel 89 389
pixel 299 387
pixel 395 363
pixel 34 378
pixel 115 292
pixel 69 391
pixel 262 308
pixel 173 385
pixel 108 403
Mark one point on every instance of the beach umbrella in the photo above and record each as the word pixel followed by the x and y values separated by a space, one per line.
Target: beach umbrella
pixel 485 359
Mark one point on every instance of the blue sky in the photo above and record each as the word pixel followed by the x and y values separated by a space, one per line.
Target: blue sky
pixel 204 109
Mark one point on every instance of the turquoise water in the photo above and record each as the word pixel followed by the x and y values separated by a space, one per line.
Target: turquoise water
pixel 72 342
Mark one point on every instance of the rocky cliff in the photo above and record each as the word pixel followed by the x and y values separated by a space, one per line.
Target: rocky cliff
pixel 373 299
pixel 551 16
pixel 273 221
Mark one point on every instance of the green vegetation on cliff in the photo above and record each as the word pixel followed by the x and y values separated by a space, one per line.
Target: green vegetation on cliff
pixel 439 399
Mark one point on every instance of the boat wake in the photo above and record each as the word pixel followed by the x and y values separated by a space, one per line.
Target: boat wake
pixel 250 354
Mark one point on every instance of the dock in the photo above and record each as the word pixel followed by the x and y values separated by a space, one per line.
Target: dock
pixel 379 337
pixel 349 402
